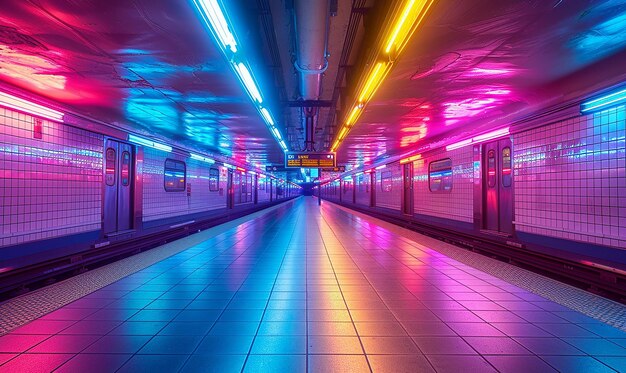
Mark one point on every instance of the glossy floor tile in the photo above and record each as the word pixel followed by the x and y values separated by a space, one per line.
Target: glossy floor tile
pixel 318 289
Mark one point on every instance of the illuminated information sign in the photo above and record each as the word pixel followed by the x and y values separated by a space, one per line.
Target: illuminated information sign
pixel 335 169
pixel 310 160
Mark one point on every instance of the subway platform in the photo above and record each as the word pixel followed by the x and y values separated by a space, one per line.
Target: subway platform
pixel 301 287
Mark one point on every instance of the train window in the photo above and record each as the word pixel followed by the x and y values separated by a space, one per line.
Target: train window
pixel 506 167
pixel 125 178
pixel 440 175
pixel 175 175
pixel 491 168
pixel 109 167
pixel 385 181
pixel 214 178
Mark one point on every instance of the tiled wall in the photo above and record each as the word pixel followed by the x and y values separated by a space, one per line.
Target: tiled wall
pixel 570 179
pixel 49 187
pixel 392 198
pixel 159 204
pixel 458 204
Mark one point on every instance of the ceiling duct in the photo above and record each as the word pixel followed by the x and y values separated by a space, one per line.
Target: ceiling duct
pixel 312 18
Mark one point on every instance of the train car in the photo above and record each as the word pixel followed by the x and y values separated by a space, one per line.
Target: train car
pixel 542 185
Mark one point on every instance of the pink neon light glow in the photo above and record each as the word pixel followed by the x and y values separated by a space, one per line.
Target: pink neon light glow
pixel 479 71
pixel 31 69
pixel 28 107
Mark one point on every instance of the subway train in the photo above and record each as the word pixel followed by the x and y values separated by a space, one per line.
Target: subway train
pixel 551 187
pixel 73 194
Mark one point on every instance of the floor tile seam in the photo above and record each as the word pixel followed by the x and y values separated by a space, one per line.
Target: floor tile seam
pixel 508 273
pixel 267 302
pixel 402 285
pixel 201 340
pixel 101 277
pixel 400 323
pixel 477 315
pixel 324 220
pixel 407 332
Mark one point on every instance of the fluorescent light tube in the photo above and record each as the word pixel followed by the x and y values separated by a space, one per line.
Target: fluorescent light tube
pixel 248 81
pixel 459 144
pixel 267 116
pixel 149 143
pixel 201 158
pixel 28 107
pixel 604 102
pixel 491 135
pixel 215 18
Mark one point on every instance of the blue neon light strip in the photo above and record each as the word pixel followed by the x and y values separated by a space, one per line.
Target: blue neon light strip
pixel 213 15
pixel 604 102
pixel 217 21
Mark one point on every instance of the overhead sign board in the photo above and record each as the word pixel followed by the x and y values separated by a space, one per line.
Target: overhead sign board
pixel 310 160
pixel 335 169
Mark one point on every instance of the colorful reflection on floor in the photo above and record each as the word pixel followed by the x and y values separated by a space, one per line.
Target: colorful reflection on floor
pixel 300 289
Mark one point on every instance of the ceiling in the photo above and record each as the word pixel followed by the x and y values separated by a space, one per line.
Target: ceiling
pixel 142 64
pixel 152 66
pixel 475 65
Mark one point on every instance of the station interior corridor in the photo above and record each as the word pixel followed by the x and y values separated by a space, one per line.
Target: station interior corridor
pixel 303 287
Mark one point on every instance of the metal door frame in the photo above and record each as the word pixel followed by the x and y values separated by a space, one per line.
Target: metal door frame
pixel 373 189
pixel 480 208
pixel 230 191
pixel 407 206
pixel 135 210
pixel 256 189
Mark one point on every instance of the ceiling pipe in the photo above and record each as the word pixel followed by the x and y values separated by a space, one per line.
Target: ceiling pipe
pixel 312 21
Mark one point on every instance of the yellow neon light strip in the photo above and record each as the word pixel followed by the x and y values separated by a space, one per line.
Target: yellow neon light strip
pixel 412 15
pixel 353 115
pixel 342 133
pixel 411 11
pixel 372 82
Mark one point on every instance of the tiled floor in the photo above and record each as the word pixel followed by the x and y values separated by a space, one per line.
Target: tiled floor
pixel 319 291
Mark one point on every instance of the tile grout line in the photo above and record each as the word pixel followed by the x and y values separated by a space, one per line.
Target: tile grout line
pixel 606 310
pixel 22 309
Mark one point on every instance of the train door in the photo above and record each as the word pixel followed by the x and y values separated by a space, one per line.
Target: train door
pixel 497 185
pixel 256 189
pixel 407 189
pixel 354 190
pixel 230 191
pixel 270 185
pixel 341 190
pixel 118 187
pixel 373 189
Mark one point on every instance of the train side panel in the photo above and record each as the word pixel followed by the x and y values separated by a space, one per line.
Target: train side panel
pixel 195 197
pixel 389 186
pixel 455 199
pixel 363 189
